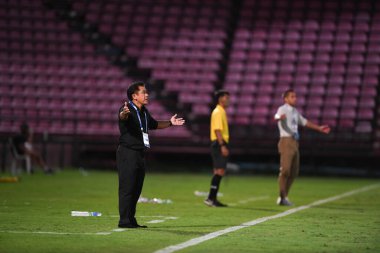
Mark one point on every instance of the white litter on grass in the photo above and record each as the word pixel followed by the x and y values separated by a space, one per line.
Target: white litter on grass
pixel 154 200
pixel 155 221
pixel 205 194
pixel 119 230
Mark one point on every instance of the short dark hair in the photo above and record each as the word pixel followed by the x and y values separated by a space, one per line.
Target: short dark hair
pixel 220 93
pixel 287 92
pixel 133 88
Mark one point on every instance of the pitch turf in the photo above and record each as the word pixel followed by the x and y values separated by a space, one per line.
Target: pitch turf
pixel 35 215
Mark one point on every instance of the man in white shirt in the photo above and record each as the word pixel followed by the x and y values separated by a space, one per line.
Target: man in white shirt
pixel 288 120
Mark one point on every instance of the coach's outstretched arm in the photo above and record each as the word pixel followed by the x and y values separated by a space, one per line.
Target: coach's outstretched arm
pixel 323 128
pixel 174 121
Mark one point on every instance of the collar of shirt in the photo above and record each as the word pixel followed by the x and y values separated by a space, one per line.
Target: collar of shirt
pixel 143 109
pixel 220 107
pixel 289 107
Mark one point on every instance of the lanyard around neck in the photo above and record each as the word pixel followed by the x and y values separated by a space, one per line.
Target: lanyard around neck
pixel 138 116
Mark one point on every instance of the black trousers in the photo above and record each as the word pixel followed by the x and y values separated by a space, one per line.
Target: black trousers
pixel 131 168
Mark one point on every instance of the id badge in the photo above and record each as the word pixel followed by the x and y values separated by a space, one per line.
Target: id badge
pixel 146 140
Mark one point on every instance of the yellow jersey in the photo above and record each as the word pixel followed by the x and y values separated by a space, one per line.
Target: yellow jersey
pixel 219 122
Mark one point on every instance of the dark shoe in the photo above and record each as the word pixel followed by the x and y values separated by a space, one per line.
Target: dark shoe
pixel 219 204
pixel 134 222
pixel 284 202
pixel 214 203
pixel 209 202
pixel 127 226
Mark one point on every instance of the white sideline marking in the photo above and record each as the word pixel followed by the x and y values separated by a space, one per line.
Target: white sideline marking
pixel 215 234
pixel 161 218
pixel 53 233
pixel 164 218
pixel 149 216
pixel 245 201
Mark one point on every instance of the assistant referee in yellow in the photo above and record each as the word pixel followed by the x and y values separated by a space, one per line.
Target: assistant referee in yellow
pixel 219 135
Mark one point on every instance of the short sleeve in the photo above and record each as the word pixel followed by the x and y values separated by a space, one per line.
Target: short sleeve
pixel 217 121
pixel 302 120
pixel 279 112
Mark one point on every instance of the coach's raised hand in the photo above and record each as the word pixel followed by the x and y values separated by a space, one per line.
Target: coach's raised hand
pixel 177 121
pixel 125 112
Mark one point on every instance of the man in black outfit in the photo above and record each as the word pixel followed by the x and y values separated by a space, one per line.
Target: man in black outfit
pixel 134 123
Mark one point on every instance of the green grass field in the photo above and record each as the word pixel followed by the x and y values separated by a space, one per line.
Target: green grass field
pixel 35 215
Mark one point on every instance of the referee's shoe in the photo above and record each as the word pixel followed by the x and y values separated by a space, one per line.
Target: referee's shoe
pixel 214 203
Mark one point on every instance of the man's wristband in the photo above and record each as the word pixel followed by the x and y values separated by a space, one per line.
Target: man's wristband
pixel 170 123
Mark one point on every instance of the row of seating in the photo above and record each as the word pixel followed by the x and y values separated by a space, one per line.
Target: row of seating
pixel 181 42
pixel 75 72
pixel 328 52
pixel 302 5
pixel 332 63
pixel 53 78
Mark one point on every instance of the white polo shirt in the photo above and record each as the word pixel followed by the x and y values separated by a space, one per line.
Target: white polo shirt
pixel 288 127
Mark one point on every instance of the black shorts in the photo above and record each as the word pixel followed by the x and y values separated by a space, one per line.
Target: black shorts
pixel 218 160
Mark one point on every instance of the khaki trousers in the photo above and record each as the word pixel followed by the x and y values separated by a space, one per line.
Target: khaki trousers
pixel 289 157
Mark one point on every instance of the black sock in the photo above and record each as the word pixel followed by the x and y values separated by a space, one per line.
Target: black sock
pixel 215 181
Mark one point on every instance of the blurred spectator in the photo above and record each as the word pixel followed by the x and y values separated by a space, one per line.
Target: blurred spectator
pixel 23 143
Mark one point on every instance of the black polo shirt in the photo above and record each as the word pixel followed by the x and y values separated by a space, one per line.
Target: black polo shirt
pixel 130 130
